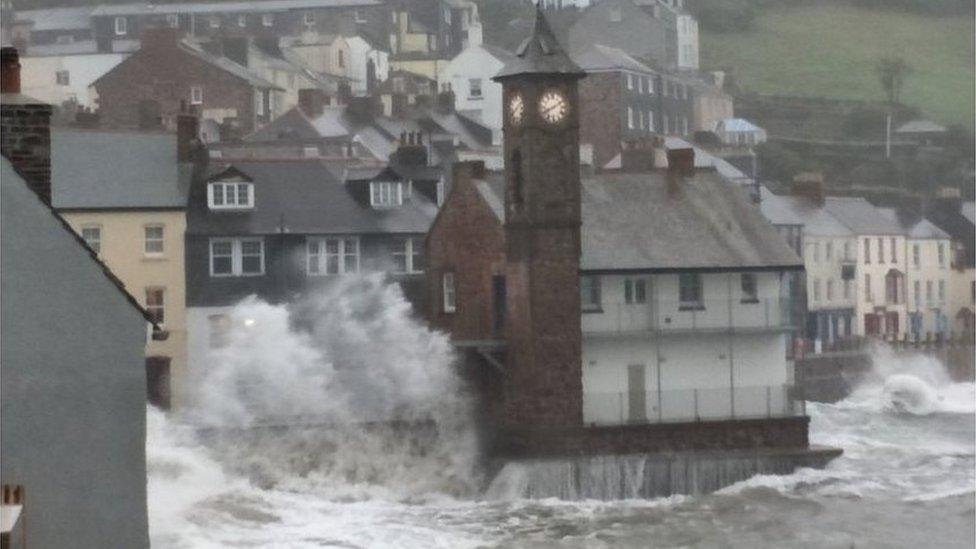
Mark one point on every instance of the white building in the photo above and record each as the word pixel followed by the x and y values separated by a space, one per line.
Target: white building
pixel 367 63
pixel 739 132
pixel 468 76
pixel 685 313
pixel 59 73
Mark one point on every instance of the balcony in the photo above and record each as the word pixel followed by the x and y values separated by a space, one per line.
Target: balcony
pixel 664 316
pixel 687 405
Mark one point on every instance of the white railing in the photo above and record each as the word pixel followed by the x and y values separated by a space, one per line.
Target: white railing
pixel 675 316
pixel 683 405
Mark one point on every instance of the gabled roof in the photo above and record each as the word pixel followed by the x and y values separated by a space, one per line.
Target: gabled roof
pixel 540 53
pixel 644 222
pixel 948 215
pixel 598 57
pixel 304 197
pixel 861 216
pixel 798 210
pixel 914 225
pixel 227 65
pixel 9 176
pixel 116 169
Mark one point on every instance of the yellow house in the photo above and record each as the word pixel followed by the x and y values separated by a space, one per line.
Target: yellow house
pixel 125 193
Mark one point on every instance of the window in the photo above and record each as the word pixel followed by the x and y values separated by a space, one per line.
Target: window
pixel 615 15
pixel 847 289
pixel 309 19
pixel 664 87
pixel 630 81
pixel 215 22
pixel 941 255
pixel 219 331
pixel 449 294
pixel 830 290
pixel 93 237
pixel 230 195
pixel 667 125
pixel 650 120
pixel 816 289
pixel 690 291
pixel 121 26
pixel 385 194
pixel 918 293
pixel 341 58
pixel 880 250
pixel 867 289
pixel 590 293
pixel 154 239
pixel 65 39
pixel 242 20
pixel 196 95
pixel 928 291
pixel 684 125
pixel 894 254
pixel 236 257
pixel 63 78
pixel 155 304
pixel 941 291
pixel 173 20
pixel 635 290
pixel 630 118
pixel 408 256
pixel 640 84
pixel 359 16
pixel 916 255
pixel 333 256
pixel 750 293
pixel 474 88
pixel 829 251
pixel 867 250
pixel 310 152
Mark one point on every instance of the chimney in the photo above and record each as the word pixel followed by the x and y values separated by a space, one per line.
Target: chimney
pixel 10 73
pixel 809 185
pixel 411 152
pixel 311 101
pixel 681 162
pixel 364 108
pixel 187 136
pixel 25 129
pixel 445 101
pixel 638 155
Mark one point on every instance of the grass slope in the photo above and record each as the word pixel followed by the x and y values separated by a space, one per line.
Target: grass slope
pixel 830 50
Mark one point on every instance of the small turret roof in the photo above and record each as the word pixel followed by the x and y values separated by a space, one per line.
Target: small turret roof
pixel 540 53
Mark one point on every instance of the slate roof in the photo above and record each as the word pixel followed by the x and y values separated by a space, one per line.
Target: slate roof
pixel 861 216
pixel 81 47
pixel 798 210
pixel 9 176
pixel 227 65
pixel 949 216
pixel 920 126
pixel 540 53
pixel 641 222
pixel 254 6
pixel 116 169
pixel 738 125
pixel 913 224
pixel 305 197
pixel 601 58
pixel 57 18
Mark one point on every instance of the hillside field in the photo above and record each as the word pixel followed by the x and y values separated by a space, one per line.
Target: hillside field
pixel 831 50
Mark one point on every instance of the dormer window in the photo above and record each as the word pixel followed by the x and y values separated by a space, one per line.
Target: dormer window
pixel 226 196
pixel 385 194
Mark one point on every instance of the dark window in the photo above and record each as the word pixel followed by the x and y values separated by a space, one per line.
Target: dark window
pixel 635 290
pixel 749 291
pixel 590 293
pixel 690 290
pixel 517 190
pixel 499 296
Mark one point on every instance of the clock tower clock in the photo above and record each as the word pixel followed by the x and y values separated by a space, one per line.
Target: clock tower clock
pixel 543 385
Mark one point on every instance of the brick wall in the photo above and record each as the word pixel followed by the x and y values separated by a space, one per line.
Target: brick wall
pixel 466 239
pixel 25 140
pixel 635 439
pixel 600 118
pixel 163 73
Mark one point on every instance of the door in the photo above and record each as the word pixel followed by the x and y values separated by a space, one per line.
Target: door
pixel 871 324
pixel 637 394
pixel 892 323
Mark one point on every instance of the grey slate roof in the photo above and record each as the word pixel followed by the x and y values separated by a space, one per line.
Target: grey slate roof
pixel 227 65
pixel 861 216
pixel 305 197
pixel 253 6
pixel 540 53
pixel 603 58
pixel 57 18
pixel 639 222
pixel 914 225
pixel 796 210
pixel 106 170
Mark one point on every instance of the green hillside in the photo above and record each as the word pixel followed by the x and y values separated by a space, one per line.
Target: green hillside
pixel 831 50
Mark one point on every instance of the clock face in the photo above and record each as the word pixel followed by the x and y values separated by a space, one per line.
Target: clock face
pixel 553 107
pixel 516 108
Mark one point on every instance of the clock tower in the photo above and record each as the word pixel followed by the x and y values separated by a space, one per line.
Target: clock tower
pixel 543 383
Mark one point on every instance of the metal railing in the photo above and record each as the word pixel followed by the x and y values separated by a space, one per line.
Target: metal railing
pixel 677 316
pixel 685 405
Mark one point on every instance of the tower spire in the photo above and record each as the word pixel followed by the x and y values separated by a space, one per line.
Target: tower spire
pixel 540 53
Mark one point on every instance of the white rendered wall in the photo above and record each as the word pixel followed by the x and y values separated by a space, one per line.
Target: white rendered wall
pixel 475 62
pixel 39 76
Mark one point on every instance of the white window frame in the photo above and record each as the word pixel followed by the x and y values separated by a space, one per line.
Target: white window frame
pixel 242 20
pixel 214 22
pixel 225 204
pixel 267 20
pixel 385 194
pixel 358 16
pixel 630 118
pixel 630 81
pixel 448 292
pixel 650 121
pixel 236 255
pixel 317 255
pixel 698 302
pixel 161 240
pixel 408 248
pixel 94 243
pixel 121 26
pixel 635 291
pixel 475 90
pixel 310 151
pixel 196 95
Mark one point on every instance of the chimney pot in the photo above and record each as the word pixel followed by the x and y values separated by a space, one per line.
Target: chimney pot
pixel 9 70
pixel 681 162
pixel 311 101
